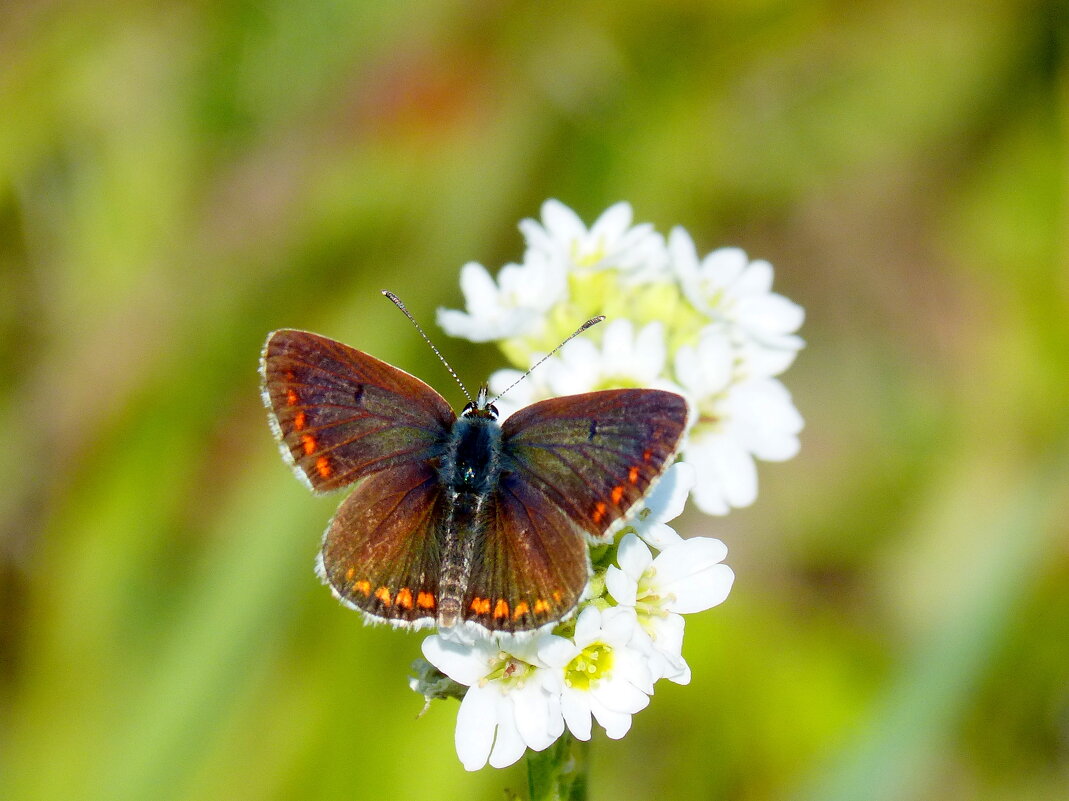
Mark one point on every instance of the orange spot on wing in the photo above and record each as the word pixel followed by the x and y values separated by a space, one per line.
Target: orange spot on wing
pixel 323 467
pixel 541 606
pixel 300 420
pixel 599 512
pixel 383 595
pixel 521 609
pixel 363 586
pixel 617 493
pixel 501 608
pixel 308 442
pixel 632 475
pixel 556 596
pixel 425 600
pixel 404 598
pixel 647 455
pixel 350 573
pixel 291 397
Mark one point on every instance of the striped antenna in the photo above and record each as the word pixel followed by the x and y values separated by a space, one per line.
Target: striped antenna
pixel 588 324
pixel 397 302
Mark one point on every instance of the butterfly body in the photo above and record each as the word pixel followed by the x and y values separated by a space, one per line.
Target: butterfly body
pixel 463 518
pixel 469 473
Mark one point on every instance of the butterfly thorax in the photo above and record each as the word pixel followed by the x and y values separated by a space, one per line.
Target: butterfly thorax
pixel 472 463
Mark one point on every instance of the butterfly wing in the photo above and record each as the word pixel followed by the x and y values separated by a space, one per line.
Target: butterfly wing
pixel 569 465
pixel 593 456
pixel 532 565
pixel 343 417
pixel 340 415
pixel 381 552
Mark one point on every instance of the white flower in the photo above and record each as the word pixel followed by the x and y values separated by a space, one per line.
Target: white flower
pixel 638 252
pixel 515 305
pixel 734 422
pixel 686 577
pixel 729 287
pixel 513 697
pixel 607 676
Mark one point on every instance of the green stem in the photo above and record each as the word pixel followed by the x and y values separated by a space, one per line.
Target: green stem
pixel 559 773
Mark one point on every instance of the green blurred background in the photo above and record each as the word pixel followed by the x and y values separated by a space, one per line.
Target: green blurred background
pixel 178 179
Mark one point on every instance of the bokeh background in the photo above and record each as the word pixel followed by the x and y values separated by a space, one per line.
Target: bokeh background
pixel 178 179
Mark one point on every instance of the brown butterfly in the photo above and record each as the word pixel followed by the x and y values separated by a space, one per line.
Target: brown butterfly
pixel 459 518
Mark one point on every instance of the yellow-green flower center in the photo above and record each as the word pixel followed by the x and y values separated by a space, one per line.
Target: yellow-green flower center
pixel 508 670
pixel 591 665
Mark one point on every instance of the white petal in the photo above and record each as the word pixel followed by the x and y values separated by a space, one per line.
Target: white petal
pixel 756 279
pixel 689 557
pixel 508 745
pixel 726 474
pixel 772 314
pixel 620 695
pixel 538 239
pixel 613 222
pixel 561 222
pixel 724 266
pixel 476 722
pixel 556 652
pixel 532 711
pixel 587 626
pixel 717 359
pixel 480 291
pixel 620 586
pixel 736 473
pixel 616 724
pixel 683 254
pixel 461 663
pixel 618 624
pixel 758 360
pixel 691 575
pixel 633 556
pixel 575 709
pixel 704 591
pixel 660 536
pixel 667 643
pixel 669 496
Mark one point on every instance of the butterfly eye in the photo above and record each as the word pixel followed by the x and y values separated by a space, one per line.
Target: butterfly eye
pixel 493 411
pixel 468 409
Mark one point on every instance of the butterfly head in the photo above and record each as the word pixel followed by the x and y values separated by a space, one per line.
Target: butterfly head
pixel 481 407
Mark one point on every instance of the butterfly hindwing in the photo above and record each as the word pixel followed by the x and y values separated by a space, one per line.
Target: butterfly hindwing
pixel 381 552
pixel 340 415
pixel 532 564
pixel 593 455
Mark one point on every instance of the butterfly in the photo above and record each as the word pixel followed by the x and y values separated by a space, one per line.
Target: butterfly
pixel 459 518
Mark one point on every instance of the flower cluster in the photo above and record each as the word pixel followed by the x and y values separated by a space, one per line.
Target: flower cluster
pixel 523 690
pixel 707 328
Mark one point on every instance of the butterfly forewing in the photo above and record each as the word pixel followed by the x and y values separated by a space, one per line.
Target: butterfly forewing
pixel 595 455
pixel 381 553
pixel 532 564
pixel 340 414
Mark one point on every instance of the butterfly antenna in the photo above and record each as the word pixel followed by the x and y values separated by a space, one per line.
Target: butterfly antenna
pixel 397 302
pixel 588 324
